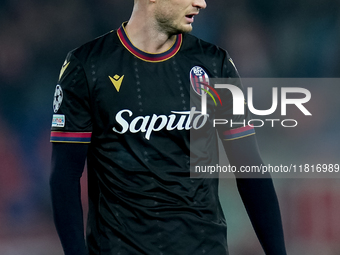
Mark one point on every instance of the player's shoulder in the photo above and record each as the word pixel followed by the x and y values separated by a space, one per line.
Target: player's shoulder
pixel 198 46
pixel 96 47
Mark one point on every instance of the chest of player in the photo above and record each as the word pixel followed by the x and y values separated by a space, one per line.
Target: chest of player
pixel 144 88
pixel 133 93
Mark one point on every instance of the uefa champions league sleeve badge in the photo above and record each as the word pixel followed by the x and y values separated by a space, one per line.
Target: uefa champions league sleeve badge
pixel 58 98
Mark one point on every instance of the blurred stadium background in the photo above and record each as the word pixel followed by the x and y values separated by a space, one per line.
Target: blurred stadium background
pixel 284 38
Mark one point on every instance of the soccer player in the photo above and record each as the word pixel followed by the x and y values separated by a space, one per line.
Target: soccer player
pixel 127 101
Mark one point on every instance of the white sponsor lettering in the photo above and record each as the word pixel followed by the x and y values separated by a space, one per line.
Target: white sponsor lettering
pixel 147 124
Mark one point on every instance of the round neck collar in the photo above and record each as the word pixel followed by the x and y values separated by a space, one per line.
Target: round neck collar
pixel 147 56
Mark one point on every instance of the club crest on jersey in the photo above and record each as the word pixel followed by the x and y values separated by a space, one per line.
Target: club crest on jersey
pixel 58 98
pixel 198 79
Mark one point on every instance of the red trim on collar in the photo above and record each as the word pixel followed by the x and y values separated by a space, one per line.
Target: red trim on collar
pixel 146 56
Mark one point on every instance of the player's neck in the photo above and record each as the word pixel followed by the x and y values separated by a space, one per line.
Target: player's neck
pixel 146 37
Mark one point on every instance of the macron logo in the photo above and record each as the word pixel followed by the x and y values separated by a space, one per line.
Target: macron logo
pixel 117 81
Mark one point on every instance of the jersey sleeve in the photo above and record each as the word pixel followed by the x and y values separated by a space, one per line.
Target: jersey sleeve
pixel 237 125
pixel 71 122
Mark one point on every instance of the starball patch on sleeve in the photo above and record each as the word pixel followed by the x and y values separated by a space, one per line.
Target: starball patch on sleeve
pixel 58 98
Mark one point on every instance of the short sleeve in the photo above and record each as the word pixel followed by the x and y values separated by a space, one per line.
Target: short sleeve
pixel 71 122
pixel 236 126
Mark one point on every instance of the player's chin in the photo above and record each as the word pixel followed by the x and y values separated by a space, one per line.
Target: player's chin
pixel 180 29
pixel 187 28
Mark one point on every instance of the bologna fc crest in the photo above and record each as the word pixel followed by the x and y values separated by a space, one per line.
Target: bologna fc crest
pixel 198 79
pixel 58 98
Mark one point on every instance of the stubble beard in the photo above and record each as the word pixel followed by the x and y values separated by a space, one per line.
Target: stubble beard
pixel 169 26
